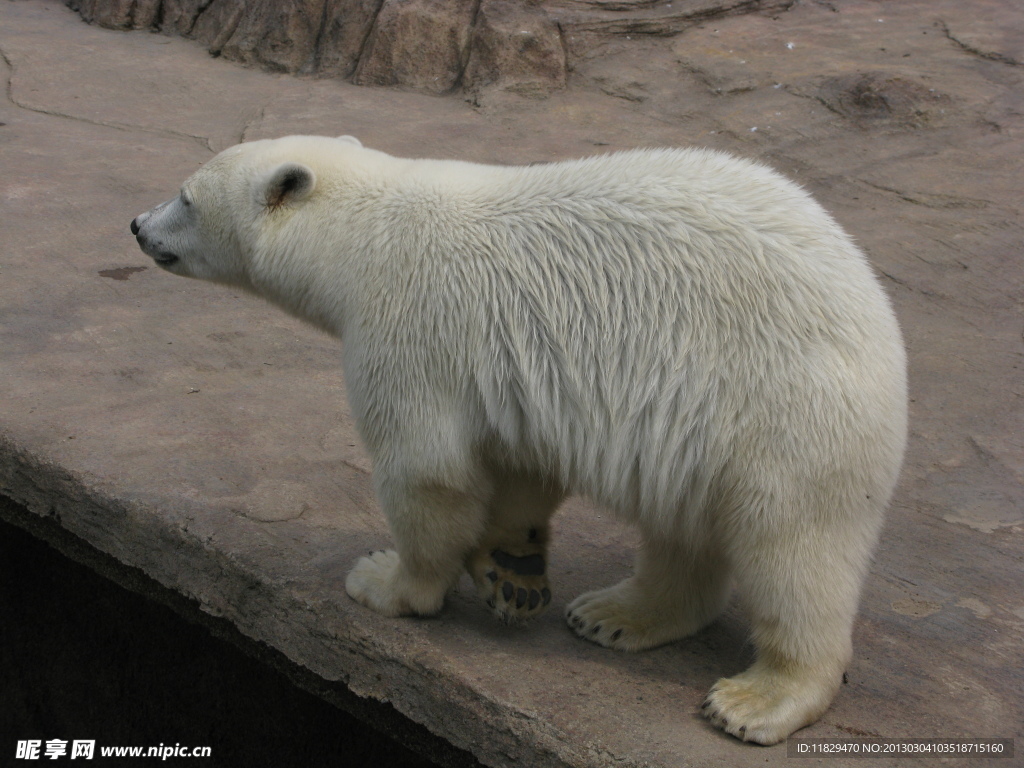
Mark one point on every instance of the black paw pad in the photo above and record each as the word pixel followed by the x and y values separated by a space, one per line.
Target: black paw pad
pixel 492 576
pixel 534 600
pixel 527 565
pixel 507 590
pixel 545 595
pixel 520 597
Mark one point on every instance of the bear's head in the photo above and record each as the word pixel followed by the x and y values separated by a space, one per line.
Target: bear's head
pixel 209 229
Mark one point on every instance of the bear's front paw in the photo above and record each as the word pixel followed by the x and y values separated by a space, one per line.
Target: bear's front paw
pixel 380 583
pixel 765 706
pixel 609 618
pixel 514 586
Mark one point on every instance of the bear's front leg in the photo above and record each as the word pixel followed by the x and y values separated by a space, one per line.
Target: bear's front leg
pixel 434 527
pixel 509 565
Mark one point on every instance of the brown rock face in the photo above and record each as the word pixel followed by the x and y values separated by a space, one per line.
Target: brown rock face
pixel 118 14
pixel 432 46
pixel 347 26
pixel 419 44
pixel 180 16
pixel 517 48
pixel 278 35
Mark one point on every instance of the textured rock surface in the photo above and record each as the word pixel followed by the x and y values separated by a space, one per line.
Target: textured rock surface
pixel 278 35
pixel 432 46
pixel 516 47
pixel 652 17
pixel 122 14
pixel 347 25
pixel 203 438
pixel 420 44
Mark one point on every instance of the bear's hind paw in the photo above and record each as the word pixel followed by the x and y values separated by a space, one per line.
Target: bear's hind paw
pixel 514 586
pixel 765 707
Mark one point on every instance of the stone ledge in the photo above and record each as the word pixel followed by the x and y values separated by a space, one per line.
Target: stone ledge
pixel 173 555
pixel 382 718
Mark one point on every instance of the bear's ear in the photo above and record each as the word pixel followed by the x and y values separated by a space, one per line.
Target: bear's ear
pixel 351 140
pixel 287 183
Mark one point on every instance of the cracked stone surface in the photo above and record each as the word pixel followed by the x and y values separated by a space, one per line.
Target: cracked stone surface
pixel 204 438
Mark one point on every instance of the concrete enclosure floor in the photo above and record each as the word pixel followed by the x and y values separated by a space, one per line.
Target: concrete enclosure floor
pixel 203 437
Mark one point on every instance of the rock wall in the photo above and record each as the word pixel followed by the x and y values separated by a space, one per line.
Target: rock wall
pixel 432 46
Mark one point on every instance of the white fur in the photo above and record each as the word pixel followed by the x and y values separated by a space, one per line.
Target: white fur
pixel 686 338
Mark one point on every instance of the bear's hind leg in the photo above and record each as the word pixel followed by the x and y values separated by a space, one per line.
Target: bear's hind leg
pixel 674 592
pixel 509 565
pixel 800 585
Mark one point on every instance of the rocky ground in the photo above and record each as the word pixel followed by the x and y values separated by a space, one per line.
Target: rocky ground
pixel 183 429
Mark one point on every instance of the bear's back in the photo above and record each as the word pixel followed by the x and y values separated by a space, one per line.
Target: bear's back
pixel 664 285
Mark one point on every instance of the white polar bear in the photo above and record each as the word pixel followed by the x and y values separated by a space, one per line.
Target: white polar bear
pixel 686 338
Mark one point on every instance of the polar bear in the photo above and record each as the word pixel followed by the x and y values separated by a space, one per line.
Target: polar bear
pixel 685 337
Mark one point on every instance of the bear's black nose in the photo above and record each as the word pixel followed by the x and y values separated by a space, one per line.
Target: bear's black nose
pixel 135 226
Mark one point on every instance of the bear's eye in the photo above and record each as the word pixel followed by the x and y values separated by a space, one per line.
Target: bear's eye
pixel 185 200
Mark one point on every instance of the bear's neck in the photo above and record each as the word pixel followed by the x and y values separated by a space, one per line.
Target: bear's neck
pixel 354 256
pixel 303 286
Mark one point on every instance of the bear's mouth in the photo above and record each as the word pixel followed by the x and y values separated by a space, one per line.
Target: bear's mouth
pixel 165 259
